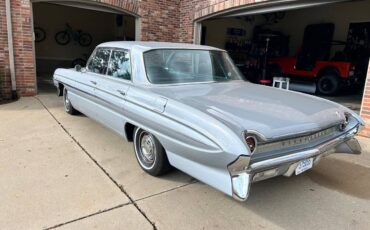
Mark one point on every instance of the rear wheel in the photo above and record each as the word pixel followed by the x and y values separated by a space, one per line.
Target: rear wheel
pixel 67 104
pixel 328 84
pixel 85 39
pixel 150 153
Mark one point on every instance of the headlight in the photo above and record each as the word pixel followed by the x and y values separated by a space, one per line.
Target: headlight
pixel 251 142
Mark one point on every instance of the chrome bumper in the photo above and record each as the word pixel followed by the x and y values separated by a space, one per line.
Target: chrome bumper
pixel 243 173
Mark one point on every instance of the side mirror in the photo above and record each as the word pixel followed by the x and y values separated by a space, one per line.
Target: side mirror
pixel 78 68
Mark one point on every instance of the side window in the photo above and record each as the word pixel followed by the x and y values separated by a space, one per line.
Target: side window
pixel 119 65
pixel 99 62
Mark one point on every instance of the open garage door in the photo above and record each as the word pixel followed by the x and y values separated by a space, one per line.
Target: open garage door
pixel 66 33
pixel 322 47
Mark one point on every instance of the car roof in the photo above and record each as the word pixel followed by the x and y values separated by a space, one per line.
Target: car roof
pixel 150 45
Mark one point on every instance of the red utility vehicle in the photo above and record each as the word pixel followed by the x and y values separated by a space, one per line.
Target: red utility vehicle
pixel 328 75
pixel 313 62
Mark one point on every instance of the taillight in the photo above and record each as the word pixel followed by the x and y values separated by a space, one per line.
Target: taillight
pixel 251 142
pixel 345 122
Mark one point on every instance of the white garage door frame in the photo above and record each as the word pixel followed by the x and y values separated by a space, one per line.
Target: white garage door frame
pixel 261 8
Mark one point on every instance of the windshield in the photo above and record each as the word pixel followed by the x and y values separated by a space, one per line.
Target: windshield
pixel 169 66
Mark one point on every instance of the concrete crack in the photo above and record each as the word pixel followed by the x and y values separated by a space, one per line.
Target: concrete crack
pixel 101 167
pixel 84 217
pixel 169 190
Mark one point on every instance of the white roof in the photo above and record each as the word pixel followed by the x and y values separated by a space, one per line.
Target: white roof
pixel 144 46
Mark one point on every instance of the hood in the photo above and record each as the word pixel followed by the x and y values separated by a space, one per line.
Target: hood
pixel 245 106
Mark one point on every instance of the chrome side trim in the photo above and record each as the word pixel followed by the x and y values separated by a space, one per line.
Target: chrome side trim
pixel 96 99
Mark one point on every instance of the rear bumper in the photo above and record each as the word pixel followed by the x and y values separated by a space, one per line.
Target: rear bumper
pixel 243 174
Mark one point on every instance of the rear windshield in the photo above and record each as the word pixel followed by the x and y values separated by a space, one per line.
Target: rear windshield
pixel 170 66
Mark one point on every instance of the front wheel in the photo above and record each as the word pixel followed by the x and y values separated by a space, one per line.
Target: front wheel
pixel 150 153
pixel 67 104
pixel 328 84
pixel 60 90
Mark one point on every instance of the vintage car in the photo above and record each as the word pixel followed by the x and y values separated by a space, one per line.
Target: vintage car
pixel 187 106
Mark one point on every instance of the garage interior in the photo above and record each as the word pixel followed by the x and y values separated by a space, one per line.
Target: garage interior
pixel 66 33
pixel 258 39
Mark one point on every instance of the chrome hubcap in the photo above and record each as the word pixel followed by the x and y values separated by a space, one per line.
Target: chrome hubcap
pixel 147 147
pixel 66 101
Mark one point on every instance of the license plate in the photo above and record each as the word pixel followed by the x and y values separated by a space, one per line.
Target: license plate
pixel 304 165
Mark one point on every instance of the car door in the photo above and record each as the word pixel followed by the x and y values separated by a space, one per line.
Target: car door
pixel 85 99
pixel 83 83
pixel 112 89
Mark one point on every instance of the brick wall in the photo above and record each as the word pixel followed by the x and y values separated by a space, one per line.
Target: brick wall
pixel 22 43
pixel 365 107
pixel 159 20
pixel 23 53
pixel 4 73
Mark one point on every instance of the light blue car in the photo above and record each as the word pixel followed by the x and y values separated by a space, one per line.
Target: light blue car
pixel 187 106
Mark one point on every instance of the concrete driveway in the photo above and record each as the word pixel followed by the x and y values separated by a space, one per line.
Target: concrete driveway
pixel 68 172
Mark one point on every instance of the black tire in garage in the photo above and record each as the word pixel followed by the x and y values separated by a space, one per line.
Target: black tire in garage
pixel 85 39
pixel 328 84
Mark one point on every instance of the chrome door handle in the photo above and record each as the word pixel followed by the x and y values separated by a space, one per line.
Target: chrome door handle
pixel 94 82
pixel 121 92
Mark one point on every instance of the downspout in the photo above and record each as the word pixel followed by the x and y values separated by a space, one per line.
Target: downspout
pixel 10 48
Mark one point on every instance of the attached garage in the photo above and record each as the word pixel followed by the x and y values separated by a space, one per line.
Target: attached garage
pixel 260 36
pixel 25 62
pixel 66 33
